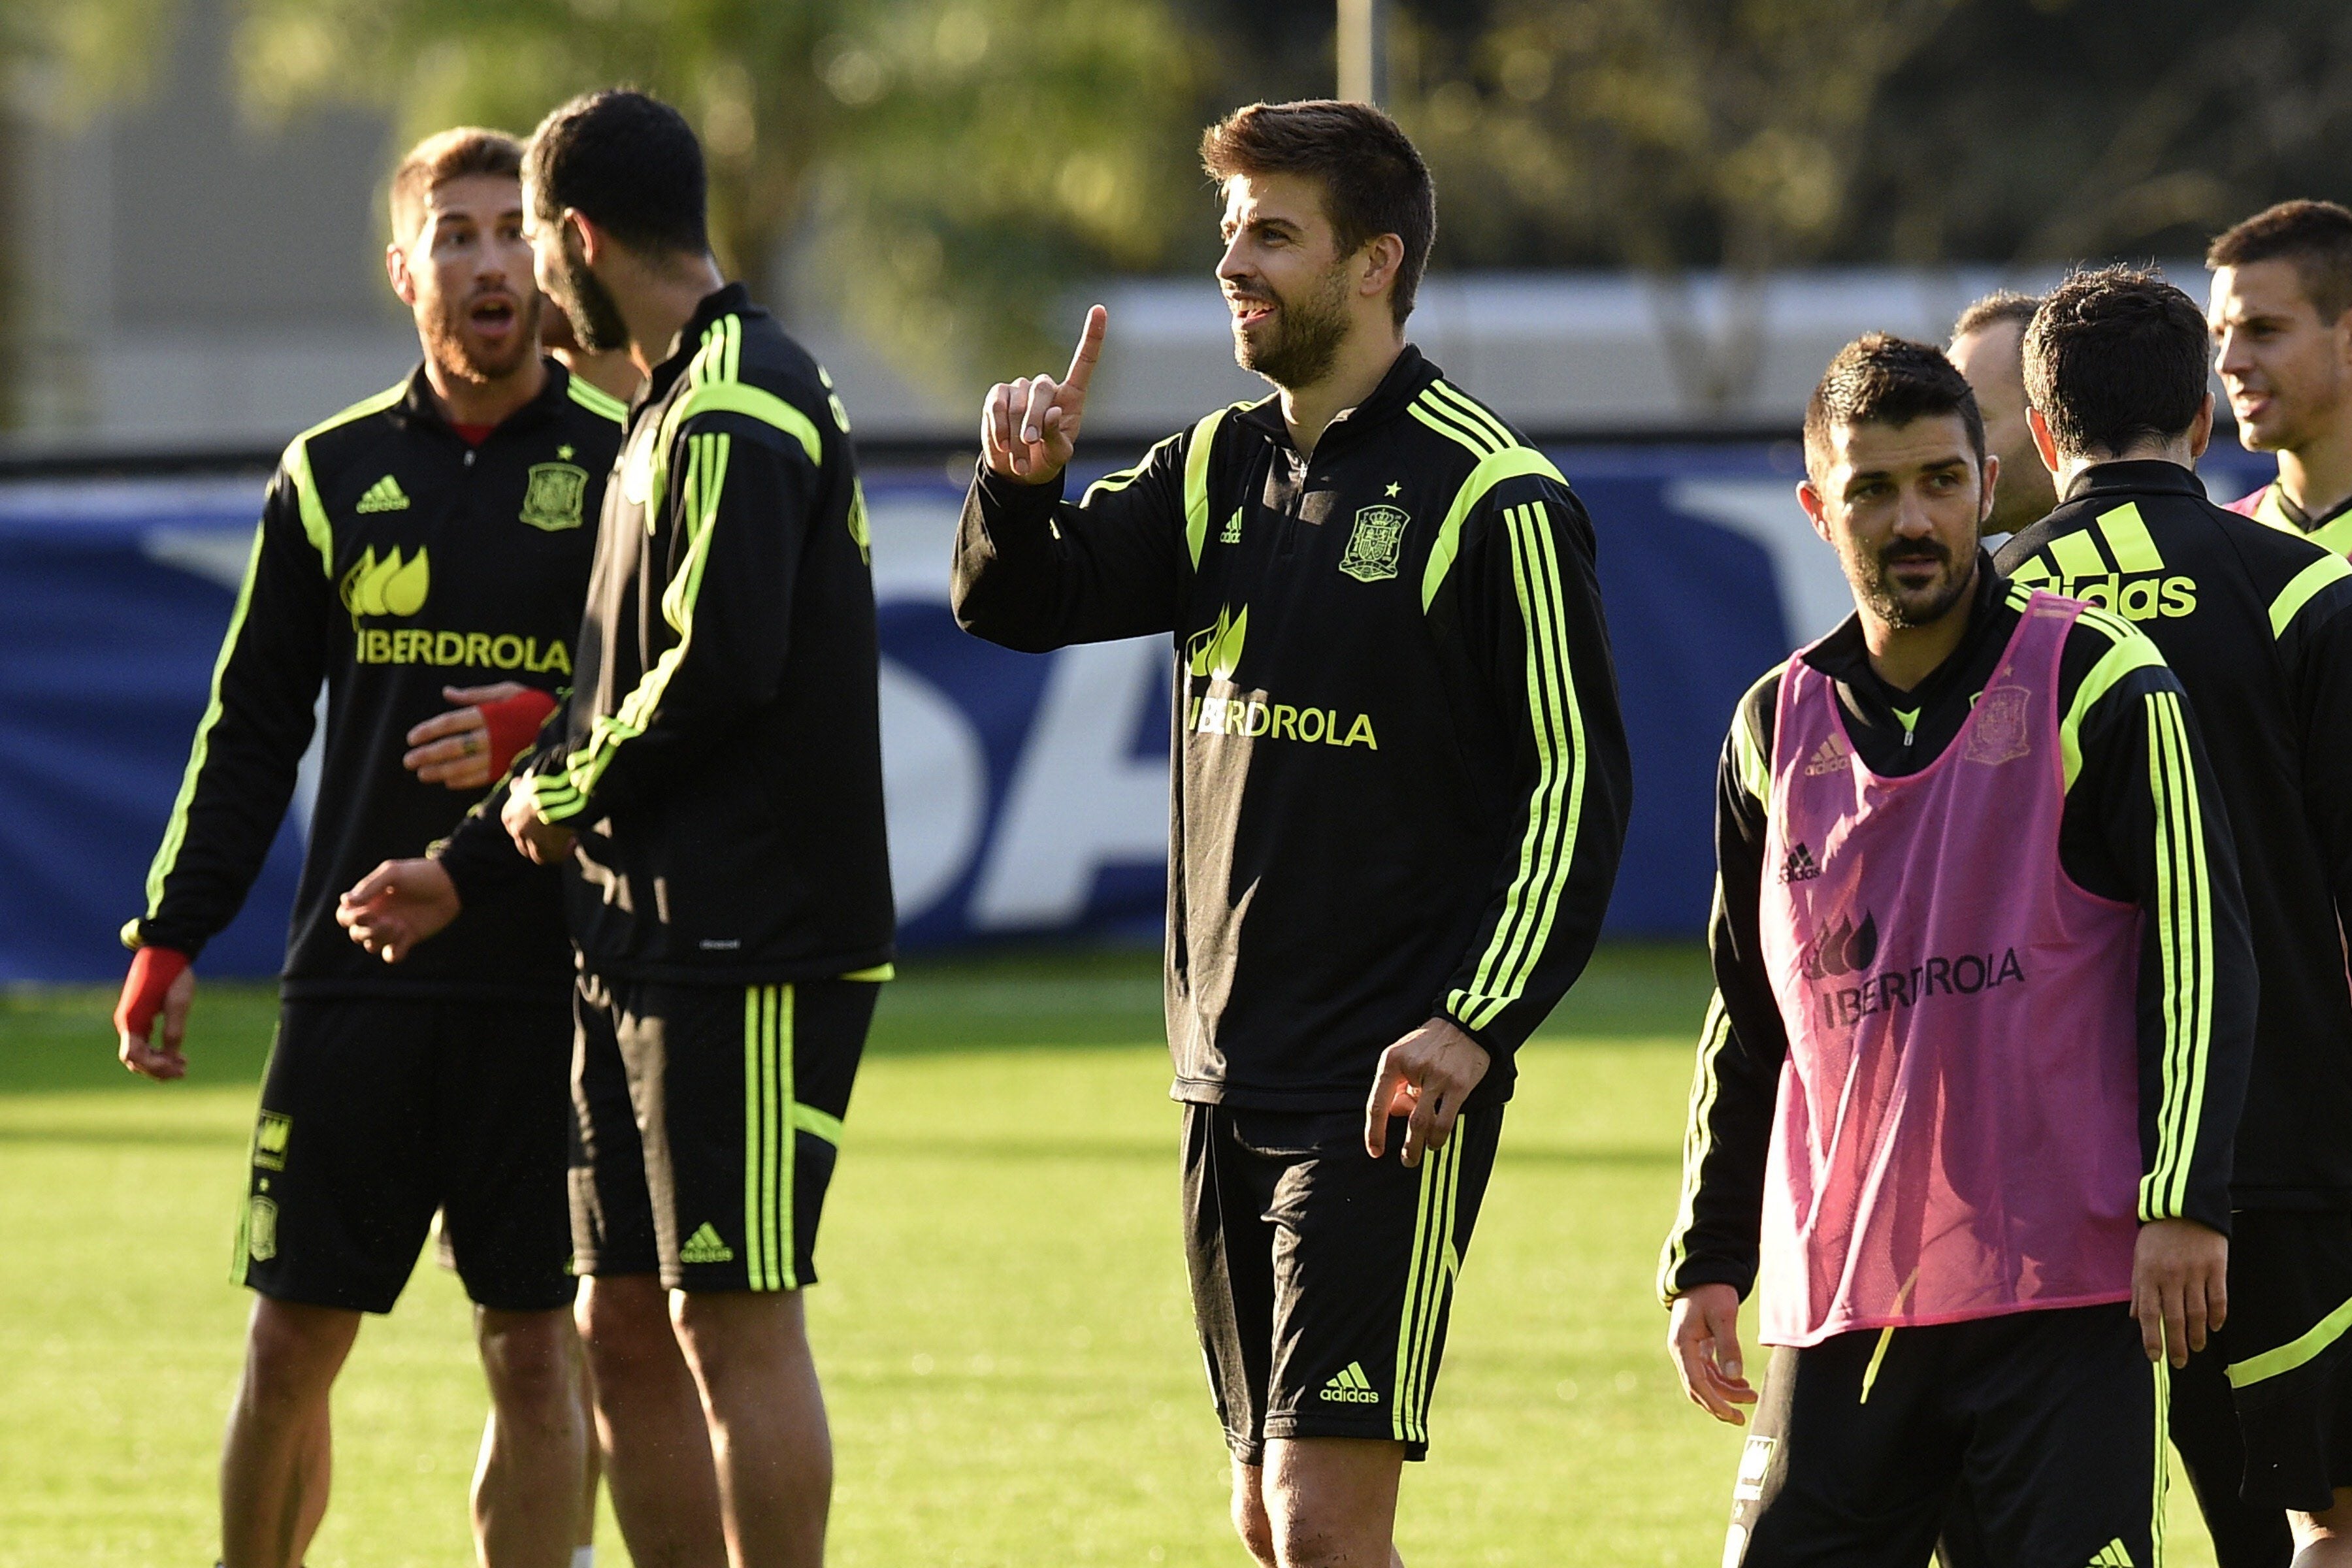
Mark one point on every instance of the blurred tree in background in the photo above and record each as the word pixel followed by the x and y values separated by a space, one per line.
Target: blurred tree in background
pixel 939 168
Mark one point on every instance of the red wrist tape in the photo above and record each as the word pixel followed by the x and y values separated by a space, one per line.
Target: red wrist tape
pixel 153 970
pixel 513 723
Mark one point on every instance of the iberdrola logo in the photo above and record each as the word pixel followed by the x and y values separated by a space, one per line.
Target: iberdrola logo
pixel 387 587
pixel 1216 652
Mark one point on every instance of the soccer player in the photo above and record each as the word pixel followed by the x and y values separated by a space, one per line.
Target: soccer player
pixel 432 533
pixel 1984 1004
pixel 717 789
pixel 2257 624
pixel 1400 787
pixel 2282 347
pixel 1987 348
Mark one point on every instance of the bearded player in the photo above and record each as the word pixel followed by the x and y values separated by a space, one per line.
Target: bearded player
pixel 1400 784
pixel 424 546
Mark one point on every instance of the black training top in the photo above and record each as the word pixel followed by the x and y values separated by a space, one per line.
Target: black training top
pixel 392 559
pixel 1400 779
pixel 2137 785
pixel 2257 622
pixel 721 756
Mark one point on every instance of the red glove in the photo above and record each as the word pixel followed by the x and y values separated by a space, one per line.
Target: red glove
pixel 153 970
pixel 512 724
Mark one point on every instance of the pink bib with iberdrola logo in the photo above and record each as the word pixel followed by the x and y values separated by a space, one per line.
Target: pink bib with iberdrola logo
pixel 1958 1133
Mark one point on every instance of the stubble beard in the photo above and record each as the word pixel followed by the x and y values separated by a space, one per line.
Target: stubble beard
pixel 463 359
pixel 588 305
pixel 1906 608
pixel 1307 334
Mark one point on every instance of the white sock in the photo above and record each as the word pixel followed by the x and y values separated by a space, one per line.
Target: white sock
pixel 583 1557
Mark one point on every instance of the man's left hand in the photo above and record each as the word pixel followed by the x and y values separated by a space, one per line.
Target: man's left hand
pixel 1424 1077
pixel 2179 1287
pixel 543 842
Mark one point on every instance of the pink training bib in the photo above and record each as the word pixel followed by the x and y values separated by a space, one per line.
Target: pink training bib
pixel 1957 1129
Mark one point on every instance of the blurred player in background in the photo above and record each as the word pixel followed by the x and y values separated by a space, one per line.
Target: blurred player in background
pixel 432 533
pixel 2282 347
pixel 719 779
pixel 2257 624
pixel 1401 791
pixel 1988 347
pixel 1964 1103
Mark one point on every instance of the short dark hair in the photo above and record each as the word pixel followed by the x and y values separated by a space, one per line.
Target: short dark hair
pixel 1999 307
pixel 2315 235
pixel 629 162
pixel 447 155
pixel 1374 182
pixel 2114 355
pixel 1881 379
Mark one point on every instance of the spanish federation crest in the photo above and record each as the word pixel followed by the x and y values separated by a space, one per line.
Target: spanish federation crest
pixel 1373 548
pixel 1997 732
pixel 553 500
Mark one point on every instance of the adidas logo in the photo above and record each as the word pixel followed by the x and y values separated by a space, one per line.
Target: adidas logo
pixel 1829 757
pixel 1352 1387
pixel 1800 865
pixel 1232 533
pixel 704 1247
pixel 385 495
pixel 2112 1555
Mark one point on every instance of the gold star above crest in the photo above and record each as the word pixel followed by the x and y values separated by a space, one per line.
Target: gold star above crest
pixel 565 453
pixel 1393 491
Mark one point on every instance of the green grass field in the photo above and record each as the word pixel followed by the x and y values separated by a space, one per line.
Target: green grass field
pixel 1003 1329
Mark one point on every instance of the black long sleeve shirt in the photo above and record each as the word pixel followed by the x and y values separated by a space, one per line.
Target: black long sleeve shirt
pixel 392 560
pixel 2257 624
pixel 1400 779
pixel 720 757
pixel 2109 840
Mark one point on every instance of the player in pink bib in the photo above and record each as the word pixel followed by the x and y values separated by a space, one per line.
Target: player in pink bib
pixel 1985 1005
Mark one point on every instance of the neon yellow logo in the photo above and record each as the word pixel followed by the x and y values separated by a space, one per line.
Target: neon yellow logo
pixel 262 1229
pixel 269 1136
pixel 1214 652
pixel 552 500
pixel 704 1247
pixel 1352 1387
pixel 385 495
pixel 387 587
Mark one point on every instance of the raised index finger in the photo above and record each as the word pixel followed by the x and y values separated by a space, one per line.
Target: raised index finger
pixel 1090 341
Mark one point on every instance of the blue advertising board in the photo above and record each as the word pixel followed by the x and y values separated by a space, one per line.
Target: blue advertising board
pixel 1027 792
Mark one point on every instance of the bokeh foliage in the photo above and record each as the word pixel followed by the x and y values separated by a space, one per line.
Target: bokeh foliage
pixel 941 168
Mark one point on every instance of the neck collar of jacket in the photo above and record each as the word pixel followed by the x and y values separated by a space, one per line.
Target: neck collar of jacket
pixel 422 405
pixel 1406 379
pixel 1844 656
pixel 734 299
pixel 2138 477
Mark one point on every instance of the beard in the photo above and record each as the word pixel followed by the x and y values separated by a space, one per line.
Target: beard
pixel 1298 344
pixel 467 358
pixel 1906 607
pixel 587 304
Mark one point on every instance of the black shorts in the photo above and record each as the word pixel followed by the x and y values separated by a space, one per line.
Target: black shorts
pixel 1322 1277
pixel 2288 1344
pixel 374 1112
pixel 708 1120
pixel 2055 1421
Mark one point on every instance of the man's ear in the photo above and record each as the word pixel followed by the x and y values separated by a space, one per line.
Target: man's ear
pixel 1384 255
pixel 1816 513
pixel 584 233
pixel 2043 442
pixel 1992 479
pixel 395 267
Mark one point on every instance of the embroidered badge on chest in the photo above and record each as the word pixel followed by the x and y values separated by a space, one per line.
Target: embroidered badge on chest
pixel 552 500
pixel 1997 735
pixel 1375 545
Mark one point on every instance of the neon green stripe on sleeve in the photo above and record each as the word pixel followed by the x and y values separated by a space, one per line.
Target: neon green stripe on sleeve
pixel 2132 652
pixel 1511 463
pixel 2305 586
pixel 1196 480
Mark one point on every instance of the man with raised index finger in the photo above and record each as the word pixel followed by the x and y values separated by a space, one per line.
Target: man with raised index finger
pixel 1400 792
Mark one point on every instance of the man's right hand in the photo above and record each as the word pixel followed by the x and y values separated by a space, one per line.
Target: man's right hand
pixel 1029 429
pixel 159 984
pixel 1704 1340
pixel 398 905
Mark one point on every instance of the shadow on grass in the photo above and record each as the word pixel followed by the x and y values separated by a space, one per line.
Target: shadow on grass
pixel 62 1037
